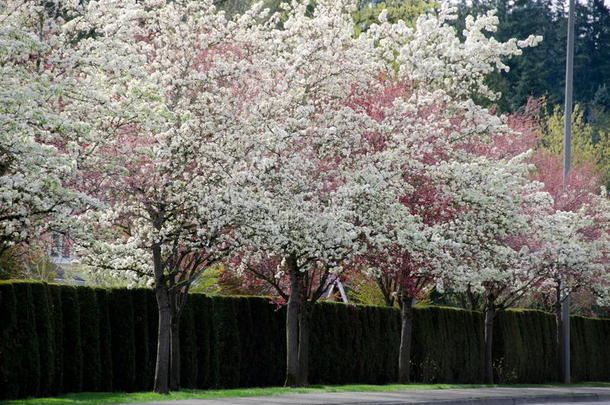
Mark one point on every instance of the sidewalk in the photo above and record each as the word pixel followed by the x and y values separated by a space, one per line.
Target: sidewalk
pixel 476 396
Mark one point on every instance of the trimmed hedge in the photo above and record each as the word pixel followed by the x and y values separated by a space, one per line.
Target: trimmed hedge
pixel 72 340
pixel 123 344
pixel 90 338
pixel 56 339
pixel 447 345
pixel 524 343
pixel 9 352
pixel 590 349
pixel 45 330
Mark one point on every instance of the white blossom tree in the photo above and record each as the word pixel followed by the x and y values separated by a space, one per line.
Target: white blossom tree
pixel 428 121
pixel 37 174
pixel 496 206
pixel 571 251
pixel 169 83
pixel 307 180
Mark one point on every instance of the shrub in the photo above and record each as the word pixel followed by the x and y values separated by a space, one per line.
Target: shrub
pixel 72 345
pixel 55 293
pixel 120 308
pixel 144 373
pixel 226 356
pixel 45 330
pixel 105 339
pixel 9 353
pixel 90 338
pixel 188 347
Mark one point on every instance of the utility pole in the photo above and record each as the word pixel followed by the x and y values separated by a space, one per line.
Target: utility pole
pixel 564 344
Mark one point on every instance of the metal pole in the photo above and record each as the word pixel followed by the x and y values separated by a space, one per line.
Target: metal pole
pixel 567 155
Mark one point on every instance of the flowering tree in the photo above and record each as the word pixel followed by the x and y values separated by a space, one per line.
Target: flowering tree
pixel 571 253
pixel 161 146
pixel 428 119
pixel 307 182
pixel 35 174
pixel 497 205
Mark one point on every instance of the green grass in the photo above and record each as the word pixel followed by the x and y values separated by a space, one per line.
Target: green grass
pixel 94 398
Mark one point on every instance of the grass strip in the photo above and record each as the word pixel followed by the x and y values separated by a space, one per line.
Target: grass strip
pixel 97 398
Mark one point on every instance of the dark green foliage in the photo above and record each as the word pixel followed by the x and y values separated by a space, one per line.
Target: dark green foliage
pixel 58 317
pixel 90 338
pixel 57 339
pixel 144 372
pixel 45 330
pixel 72 344
pixel 9 354
pixel 447 345
pixel 153 328
pixel 204 333
pixel 540 71
pixel 27 341
pixel 188 347
pixel 226 358
pixel 390 340
pixel 120 308
pixel 358 344
pixel 589 347
pixel 519 354
pixel 105 340
pixel 261 347
pixel 247 346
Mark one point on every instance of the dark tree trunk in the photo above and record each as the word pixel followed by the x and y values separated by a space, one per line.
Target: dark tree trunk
pixel 564 375
pixel 490 314
pixel 163 339
pixel 304 331
pixel 406 329
pixel 174 376
pixel 292 323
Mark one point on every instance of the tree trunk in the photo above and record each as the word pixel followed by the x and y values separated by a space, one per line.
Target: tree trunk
pixel 561 343
pixel 174 375
pixel 292 323
pixel 406 328
pixel 163 340
pixel 490 314
pixel 304 331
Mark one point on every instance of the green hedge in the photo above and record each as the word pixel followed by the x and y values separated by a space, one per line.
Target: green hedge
pixel 105 339
pixel 72 340
pixel 90 338
pixel 447 345
pixel 525 348
pixel 589 346
pixel 45 330
pixel 57 339
pixel 143 359
pixel 9 352
pixel 123 344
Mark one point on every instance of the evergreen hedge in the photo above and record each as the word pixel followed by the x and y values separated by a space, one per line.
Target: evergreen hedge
pixel 45 331
pixel 9 352
pixel 57 339
pixel 72 340
pixel 525 348
pixel 105 339
pixel 143 359
pixel 123 344
pixel 90 338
